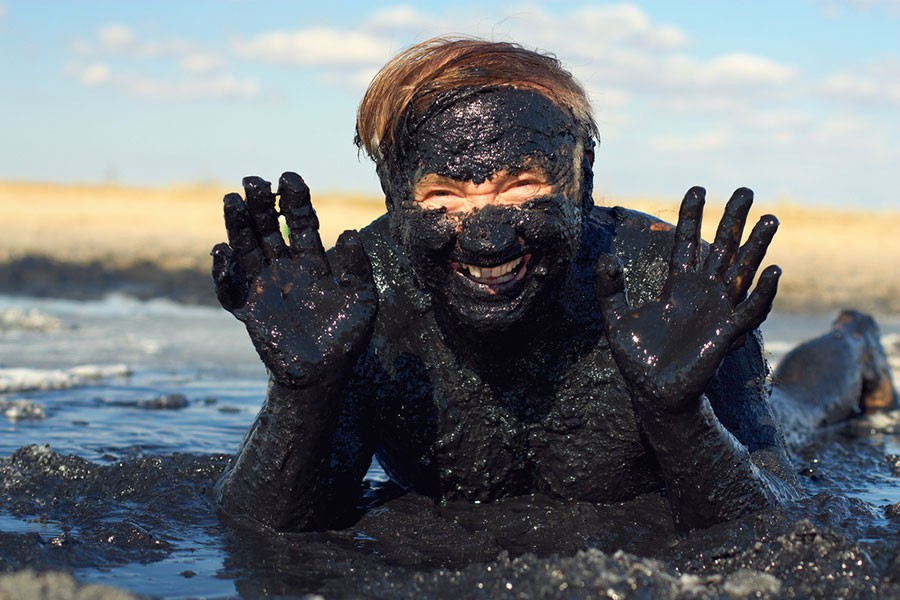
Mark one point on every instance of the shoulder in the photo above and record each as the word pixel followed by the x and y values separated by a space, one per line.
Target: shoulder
pixel 381 249
pixel 641 241
pixel 391 269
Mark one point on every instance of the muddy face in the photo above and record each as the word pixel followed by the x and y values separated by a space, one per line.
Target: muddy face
pixel 486 204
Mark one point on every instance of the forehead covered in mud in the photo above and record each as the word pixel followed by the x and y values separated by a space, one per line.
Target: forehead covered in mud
pixel 470 134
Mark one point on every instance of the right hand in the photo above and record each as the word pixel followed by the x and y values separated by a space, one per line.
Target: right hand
pixel 670 349
pixel 308 319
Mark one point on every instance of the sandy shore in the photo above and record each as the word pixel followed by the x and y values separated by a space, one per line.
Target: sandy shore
pixel 65 238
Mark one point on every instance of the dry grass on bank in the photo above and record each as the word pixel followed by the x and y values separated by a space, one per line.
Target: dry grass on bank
pixel 830 258
pixel 174 226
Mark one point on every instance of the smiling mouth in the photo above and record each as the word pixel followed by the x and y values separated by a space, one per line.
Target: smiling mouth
pixel 497 278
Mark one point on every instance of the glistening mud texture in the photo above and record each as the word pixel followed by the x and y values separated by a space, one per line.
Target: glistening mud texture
pixel 146 524
pixel 471 135
pixel 145 510
pixel 482 353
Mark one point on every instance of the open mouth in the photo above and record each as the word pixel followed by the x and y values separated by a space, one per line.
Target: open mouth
pixel 497 278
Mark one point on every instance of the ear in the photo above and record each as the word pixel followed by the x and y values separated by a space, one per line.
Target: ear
pixel 385 178
pixel 587 177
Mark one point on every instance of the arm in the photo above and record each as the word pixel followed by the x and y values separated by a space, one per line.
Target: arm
pixel 309 320
pixel 669 351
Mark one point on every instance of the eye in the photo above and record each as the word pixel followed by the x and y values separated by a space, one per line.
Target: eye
pixel 436 193
pixel 438 197
pixel 528 183
pixel 524 188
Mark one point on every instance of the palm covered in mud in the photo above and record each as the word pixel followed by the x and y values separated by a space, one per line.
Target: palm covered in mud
pixel 307 316
pixel 670 349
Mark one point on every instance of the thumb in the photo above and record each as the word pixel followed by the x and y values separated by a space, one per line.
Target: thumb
pixel 352 265
pixel 230 281
pixel 609 285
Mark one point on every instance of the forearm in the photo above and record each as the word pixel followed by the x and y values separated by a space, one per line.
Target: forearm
pixel 709 476
pixel 279 473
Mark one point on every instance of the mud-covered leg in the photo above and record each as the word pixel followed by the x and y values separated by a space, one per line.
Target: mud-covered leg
pixel 836 376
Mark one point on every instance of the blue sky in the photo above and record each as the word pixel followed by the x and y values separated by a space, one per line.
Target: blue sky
pixel 799 100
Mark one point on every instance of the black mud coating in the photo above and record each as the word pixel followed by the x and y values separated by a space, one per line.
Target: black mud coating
pixel 472 135
pixel 477 399
pixel 467 393
pixel 544 233
pixel 540 407
pixel 480 418
pixel 145 511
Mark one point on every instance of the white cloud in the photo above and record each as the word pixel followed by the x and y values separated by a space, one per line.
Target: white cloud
pixel 400 19
pixel 222 86
pixel 777 120
pixel 625 23
pixel 851 85
pixel 835 8
pixel 117 37
pixel 583 34
pixel 740 70
pixel 620 49
pixel 589 34
pixel 124 61
pixel 94 74
pixel 317 46
pixel 743 68
pixel 617 48
pixel 100 75
pixel 874 84
pixel 200 62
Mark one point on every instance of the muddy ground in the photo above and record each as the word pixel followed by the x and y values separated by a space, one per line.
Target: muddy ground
pixel 828 545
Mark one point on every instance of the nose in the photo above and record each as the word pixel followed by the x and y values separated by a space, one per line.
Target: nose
pixel 487 231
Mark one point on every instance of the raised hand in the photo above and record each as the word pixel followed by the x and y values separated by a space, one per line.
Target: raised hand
pixel 669 350
pixel 309 319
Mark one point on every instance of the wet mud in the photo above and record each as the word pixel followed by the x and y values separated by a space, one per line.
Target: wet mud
pixel 840 541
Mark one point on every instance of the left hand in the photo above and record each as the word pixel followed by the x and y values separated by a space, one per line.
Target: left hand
pixel 669 350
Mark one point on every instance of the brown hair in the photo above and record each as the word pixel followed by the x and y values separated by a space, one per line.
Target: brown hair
pixel 413 78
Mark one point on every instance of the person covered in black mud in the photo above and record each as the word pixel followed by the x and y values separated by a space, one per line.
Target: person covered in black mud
pixel 495 333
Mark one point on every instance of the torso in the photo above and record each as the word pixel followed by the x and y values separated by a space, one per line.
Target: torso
pixel 558 422
pixel 573 434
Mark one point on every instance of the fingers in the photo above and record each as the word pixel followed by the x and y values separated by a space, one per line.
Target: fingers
pixel 686 248
pixel 728 236
pixel 740 275
pixel 351 264
pixel 609 285
pixel 231 284
pixel 261 204
pixel 750 313
pixel 303 225
pixel 242 234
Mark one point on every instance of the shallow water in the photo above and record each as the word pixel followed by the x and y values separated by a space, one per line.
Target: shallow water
pixel 150 397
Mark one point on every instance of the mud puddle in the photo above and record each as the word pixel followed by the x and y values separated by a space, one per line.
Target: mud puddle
pixel 111 484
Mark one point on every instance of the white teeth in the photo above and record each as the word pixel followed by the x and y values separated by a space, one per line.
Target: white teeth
pixel 499 274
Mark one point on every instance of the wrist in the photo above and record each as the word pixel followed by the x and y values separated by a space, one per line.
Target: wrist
pixel 681 422
pixel 654 405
